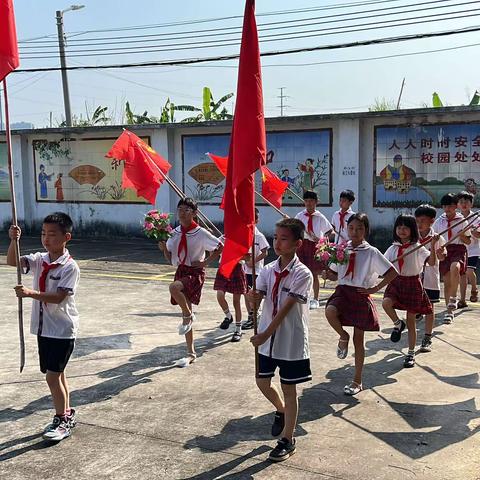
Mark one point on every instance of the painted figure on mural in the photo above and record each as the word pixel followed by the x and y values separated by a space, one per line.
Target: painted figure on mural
pixel 59 187
pixel 308 173
pixel 285 177
pixel 43 178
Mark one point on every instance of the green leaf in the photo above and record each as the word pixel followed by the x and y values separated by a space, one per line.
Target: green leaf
pixel 436 102
pixel 475 99
pixel 207 99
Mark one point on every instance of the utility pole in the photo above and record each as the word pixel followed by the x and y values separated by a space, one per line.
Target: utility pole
pixel 401 92
pixel 282 105
pixel 63 62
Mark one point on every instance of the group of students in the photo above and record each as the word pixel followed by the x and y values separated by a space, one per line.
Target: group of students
pixel 410 271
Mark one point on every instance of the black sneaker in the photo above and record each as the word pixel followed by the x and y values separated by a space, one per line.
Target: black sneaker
pixel 237 336
pixel 226 323
pixel 278 424
pixel 72 418
pixel 284 449
pixel 426 344
pixel 409 361
pixel 397 332
pixel 248 324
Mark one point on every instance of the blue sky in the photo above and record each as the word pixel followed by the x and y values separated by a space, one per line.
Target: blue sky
pixel 338 87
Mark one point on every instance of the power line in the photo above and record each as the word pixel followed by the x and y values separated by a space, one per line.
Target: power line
pixel 227 30
pixel 190 61
pixel 206 44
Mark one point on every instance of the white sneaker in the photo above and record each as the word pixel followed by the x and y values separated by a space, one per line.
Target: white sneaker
pixel 313 304
pixel 183 329
pixel 59 433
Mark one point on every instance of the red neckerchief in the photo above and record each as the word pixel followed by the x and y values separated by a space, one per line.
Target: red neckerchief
pixel 401 250
pixel 182 245
pixel 351 265
pixel 310 221
pixel 449 222
pixel 46 267
pixel 342 216
pixel 278 278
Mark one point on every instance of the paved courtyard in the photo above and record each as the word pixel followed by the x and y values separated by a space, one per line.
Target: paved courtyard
pixel 140 417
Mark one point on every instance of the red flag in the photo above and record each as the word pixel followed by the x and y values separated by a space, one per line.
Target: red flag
pixel 142 165
pixel 247 148
pixel 220 162
pixel 9 59
pixel 272 187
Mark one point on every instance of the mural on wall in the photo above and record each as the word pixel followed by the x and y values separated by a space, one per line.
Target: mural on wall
pixel 76 170
pixel 420 164
pixel 301 158
pixel 4 181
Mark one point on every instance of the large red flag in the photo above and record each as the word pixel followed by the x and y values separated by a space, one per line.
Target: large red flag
pixel 141 161
pixel 9 59
pixel 272 187
pixel 247 148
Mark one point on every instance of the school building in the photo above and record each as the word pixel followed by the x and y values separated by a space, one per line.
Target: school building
pixel 393 161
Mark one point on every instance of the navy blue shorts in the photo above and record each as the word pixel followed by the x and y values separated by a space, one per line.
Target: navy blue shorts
pixel 433 295
pixel 54 353
pixel 291 371
pixel 472 263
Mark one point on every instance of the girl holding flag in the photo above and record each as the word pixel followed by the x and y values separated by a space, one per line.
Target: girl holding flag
pixel 351 304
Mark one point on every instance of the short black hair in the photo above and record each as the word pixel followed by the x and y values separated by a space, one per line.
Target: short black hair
pixel 425 210
pixel 294 225
pixel 406 221
pixel 466 196
pixel 188 202
pixel 307 194
pixel 348 194
pixel 362 218
pixel 62 220
pixel 449 199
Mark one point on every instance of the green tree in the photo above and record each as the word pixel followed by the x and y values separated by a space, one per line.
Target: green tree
pixel 382 105
pixel 211 110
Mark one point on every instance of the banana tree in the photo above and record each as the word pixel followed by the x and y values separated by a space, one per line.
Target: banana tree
pixel 211 110
pixel 474 102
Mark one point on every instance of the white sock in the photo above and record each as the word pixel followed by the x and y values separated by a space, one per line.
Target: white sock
pixel 227 314
pixel 238 327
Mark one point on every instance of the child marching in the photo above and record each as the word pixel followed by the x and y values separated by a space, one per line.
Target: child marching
pixel 406 291
pixel 425 216
pixel 465 202
pixel 351 304
pixel 261 252
pixel 316 227
pixel 54 314
pixel 237 286
pixel 282 337
pixel 455 263
pixel 340 217
pixel 186 249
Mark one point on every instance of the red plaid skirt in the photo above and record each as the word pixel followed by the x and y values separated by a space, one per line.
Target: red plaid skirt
pixel 408 294
pixel 455 253
pixel 354 308
pixel 236 284
pixel 192 279
pixel 306 254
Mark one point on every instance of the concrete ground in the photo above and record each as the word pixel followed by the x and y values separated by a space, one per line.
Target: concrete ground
pixel 140 417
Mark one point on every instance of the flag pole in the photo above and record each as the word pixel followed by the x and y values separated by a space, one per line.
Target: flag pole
pixel 254 288
pixel 15 222
pixel 283 214
pixel 295 194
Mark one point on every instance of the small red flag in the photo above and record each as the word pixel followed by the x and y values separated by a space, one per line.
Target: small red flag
pixel 220 162
pixel 247 149
pixel 143 166
pixel 9 59
pixel 272 187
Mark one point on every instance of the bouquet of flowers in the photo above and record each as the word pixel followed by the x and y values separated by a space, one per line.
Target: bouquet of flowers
pixel 157 225
pixel 331 253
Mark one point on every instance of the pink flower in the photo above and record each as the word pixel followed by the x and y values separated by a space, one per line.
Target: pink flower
pixel 148 226
pixel 169 228
pixel 155 216
pixel 151 212
pixel 325 256
pixel 340 256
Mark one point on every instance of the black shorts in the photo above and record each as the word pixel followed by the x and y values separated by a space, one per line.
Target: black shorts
pixel 433 295
pixel 291 371
pixel 54 353
pixel 472 263
pixel 250 280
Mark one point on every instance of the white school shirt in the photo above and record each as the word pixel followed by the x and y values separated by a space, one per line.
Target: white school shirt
pixel 199 240
pixel 290 340
pixel 369 265
pixel 260 243
pixel 320 224
pixel 441 224
pixel 431 274
pixel 50 319
pixel 412 264
pixel 342 235
pixel 473 249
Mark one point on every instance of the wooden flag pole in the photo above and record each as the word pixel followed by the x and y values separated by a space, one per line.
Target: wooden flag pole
pixel 283 214
pixel 15 222
pixel 255 312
